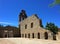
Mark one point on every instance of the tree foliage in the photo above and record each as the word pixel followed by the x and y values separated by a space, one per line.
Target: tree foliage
pixel 52 27
pixel 55 3
pixel 7 26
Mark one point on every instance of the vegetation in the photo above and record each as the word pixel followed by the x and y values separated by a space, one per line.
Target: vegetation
pixel 56 2
pixel 52 27
pixel 4 27
pixel 42 26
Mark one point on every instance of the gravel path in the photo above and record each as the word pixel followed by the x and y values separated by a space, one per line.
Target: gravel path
pixel 27 41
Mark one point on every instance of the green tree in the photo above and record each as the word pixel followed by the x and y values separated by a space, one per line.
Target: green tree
pixel 1 26
pixel 52 27
pixel 55 2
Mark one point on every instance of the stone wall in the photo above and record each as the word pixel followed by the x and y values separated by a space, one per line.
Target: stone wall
pixel 58 36
pixel 33 32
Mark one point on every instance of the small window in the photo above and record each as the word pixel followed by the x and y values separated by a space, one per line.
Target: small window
pixel 31 25
pixel 25 26
pixel 23 18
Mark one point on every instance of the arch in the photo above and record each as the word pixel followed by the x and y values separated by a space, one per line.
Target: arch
pixel 32 35
pixel 38 35
pixel 22 35
pixel 25 35
pixel 54 36
pixel 6 35
pixel 29 35
pixel 46 35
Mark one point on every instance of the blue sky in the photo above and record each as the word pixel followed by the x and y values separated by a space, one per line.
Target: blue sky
pixel 10 9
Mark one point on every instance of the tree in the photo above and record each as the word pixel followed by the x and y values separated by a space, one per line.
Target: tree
pixel 1 30
pixel 42 26
pixel 52 27
pixel 55 2
pixel 1 25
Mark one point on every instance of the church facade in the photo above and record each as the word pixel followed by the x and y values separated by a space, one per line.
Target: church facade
pixel 30 27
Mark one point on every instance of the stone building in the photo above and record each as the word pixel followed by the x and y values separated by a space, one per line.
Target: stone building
pixel 30 27
pixel 9 31
pixel 58 36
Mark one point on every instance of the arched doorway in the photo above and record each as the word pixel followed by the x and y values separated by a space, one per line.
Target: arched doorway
pixel 46 35
pixel 25 35
pixel 32 35
pixel 54 36
pixel 38 35
pixel 6 35
pixel 28 35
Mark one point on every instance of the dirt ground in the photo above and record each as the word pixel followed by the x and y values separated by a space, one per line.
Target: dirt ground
pixel 27 41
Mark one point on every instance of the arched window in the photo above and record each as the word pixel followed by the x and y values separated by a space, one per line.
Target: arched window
pixel 46 35
pixel 32 25
pixel 26 26
pixel 28 35
pixel 38 35
pixel 32 35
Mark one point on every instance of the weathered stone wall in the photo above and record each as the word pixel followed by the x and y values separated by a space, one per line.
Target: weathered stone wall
pixel 58 36
pixel 36 28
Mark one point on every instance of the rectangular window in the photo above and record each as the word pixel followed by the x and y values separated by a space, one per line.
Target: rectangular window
pixel 25 26
pixel 31 25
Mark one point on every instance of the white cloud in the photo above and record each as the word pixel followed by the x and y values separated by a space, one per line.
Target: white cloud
pixel 5 23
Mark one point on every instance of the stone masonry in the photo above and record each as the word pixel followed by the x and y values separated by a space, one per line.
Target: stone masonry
pixel 30 27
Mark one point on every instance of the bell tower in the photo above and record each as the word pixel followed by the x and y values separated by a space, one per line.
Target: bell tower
pixel 22 15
